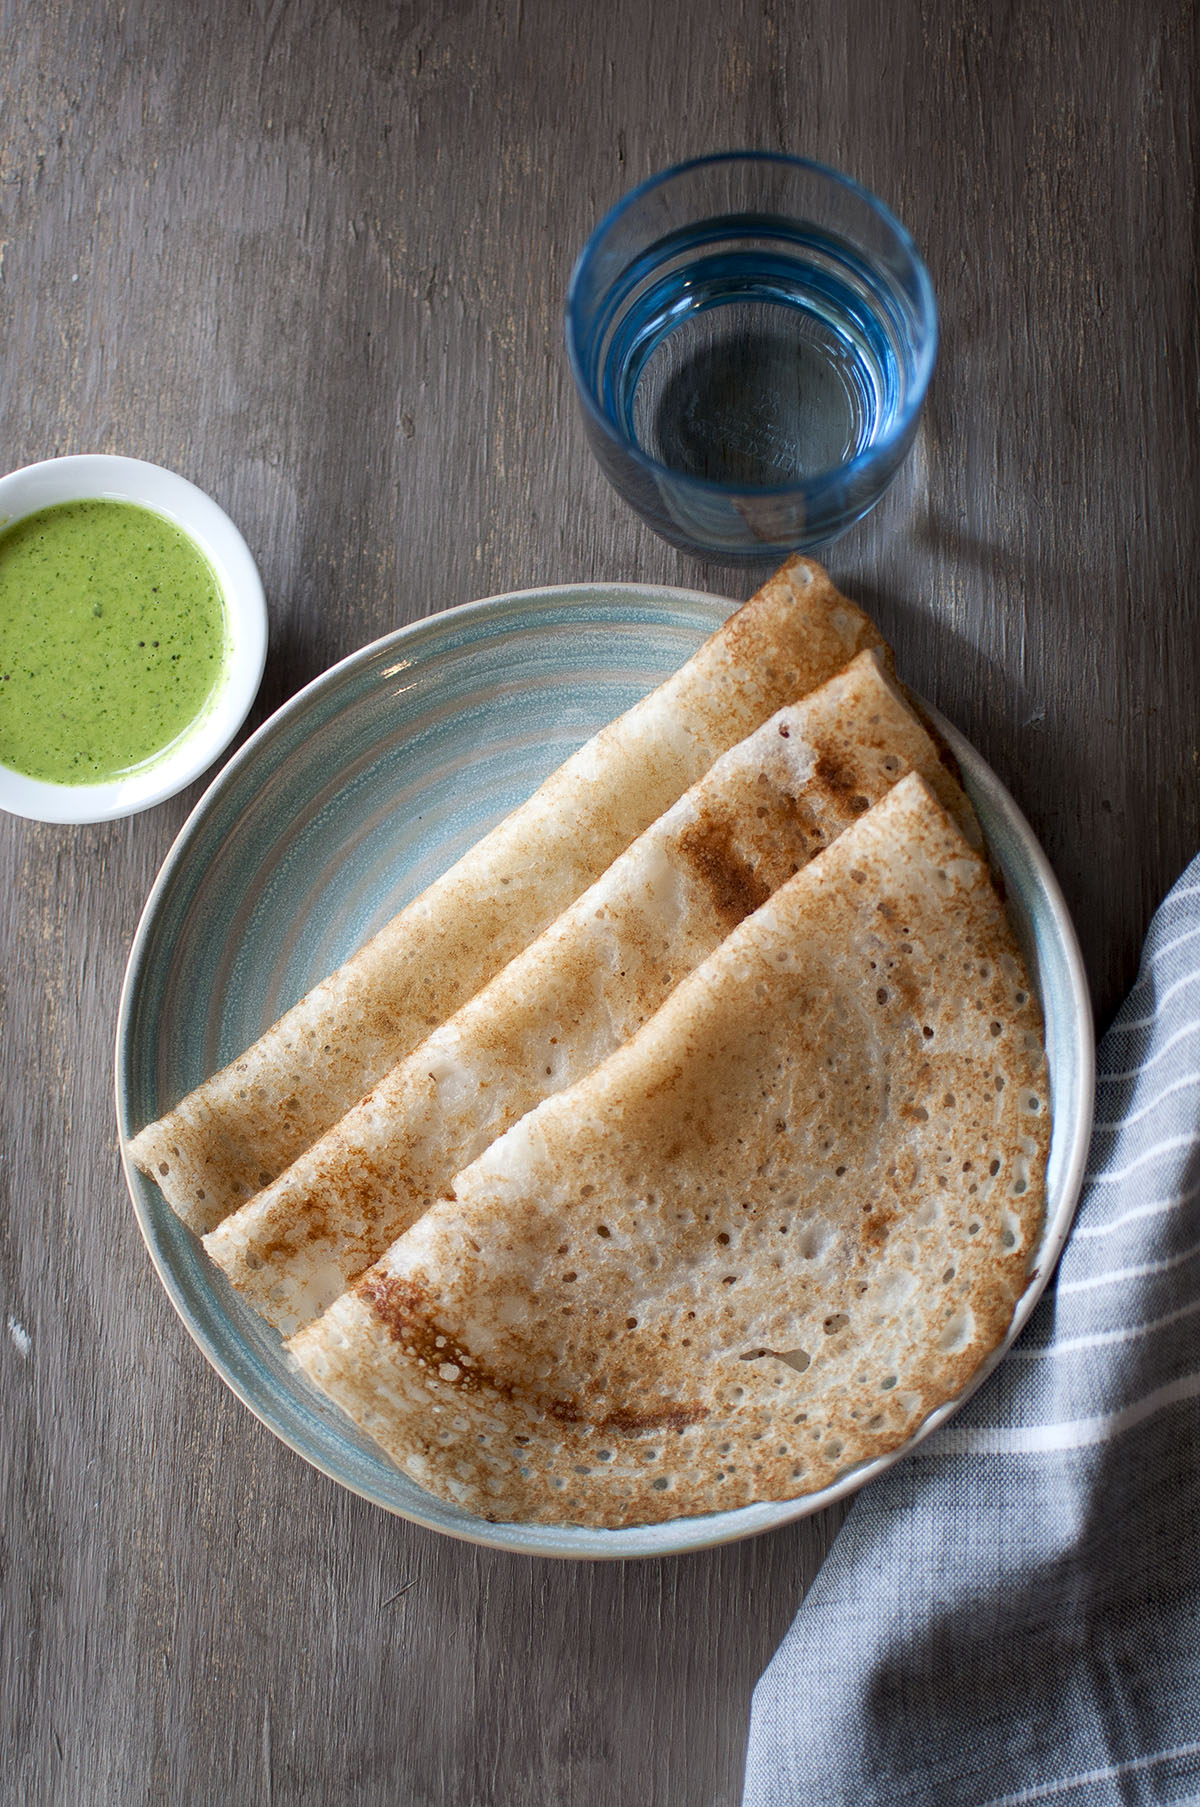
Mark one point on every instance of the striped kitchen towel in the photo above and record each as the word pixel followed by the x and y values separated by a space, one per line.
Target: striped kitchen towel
pixel 1013 1614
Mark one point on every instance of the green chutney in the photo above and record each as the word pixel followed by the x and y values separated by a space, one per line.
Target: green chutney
pixel 113 639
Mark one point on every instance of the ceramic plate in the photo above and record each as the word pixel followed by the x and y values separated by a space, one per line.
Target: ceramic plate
pixel 346 804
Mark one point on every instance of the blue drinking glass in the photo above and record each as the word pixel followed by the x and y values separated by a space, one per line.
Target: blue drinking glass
pixel 751 336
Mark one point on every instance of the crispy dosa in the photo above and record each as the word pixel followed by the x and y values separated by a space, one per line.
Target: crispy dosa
pixel 235 1133
pixel 755 1247
pixel 586 985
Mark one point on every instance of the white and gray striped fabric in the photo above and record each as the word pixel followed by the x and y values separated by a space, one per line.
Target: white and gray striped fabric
pixel 1013 1614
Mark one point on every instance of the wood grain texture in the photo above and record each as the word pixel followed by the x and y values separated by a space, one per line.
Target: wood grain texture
pixel 314 256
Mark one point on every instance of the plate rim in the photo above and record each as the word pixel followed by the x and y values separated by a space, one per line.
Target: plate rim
pixel 712 1529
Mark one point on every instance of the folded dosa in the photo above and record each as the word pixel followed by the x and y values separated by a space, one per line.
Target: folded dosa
pixel 583 987
pixel 241 1128
pixel 759 1244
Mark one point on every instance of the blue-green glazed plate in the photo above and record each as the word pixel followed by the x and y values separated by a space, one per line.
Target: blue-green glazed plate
pixel 345 805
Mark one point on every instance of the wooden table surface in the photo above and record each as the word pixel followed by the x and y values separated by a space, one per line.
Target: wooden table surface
pixel 314 256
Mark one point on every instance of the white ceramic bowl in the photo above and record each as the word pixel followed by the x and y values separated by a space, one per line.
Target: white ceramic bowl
pixel 97 475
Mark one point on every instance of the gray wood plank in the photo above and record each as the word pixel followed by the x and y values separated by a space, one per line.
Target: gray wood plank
pixel 314 257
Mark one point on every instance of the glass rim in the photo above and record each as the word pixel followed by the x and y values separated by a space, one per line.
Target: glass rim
pixel 821 481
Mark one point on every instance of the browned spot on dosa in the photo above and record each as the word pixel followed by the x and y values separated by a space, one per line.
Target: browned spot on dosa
pixel 402 1307
pixel 734 886
pixel 658 1415
pixel 841 778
